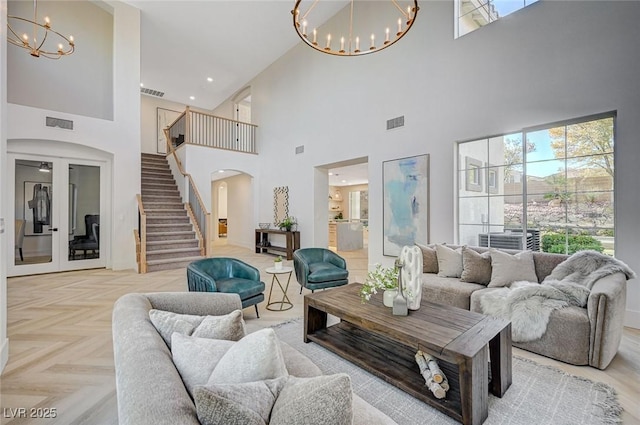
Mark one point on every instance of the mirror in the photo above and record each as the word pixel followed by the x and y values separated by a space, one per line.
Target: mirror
pixel 280 204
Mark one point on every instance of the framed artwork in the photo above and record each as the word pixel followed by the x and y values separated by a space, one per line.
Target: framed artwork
pixel 37 208
pixel 165 118
pixel 405 186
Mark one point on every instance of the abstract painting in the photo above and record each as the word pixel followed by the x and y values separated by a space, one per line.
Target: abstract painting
pixel 405 203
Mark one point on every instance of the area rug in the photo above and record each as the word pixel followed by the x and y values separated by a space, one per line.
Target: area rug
pixel 539 394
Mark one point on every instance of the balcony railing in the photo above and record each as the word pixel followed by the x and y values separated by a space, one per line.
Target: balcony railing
pixel 202 129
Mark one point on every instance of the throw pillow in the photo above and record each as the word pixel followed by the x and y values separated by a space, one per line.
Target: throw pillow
pixel 476 267
pixel 429 259
pixel 325 399
pixel 229 326
pixel 449 261
pixel 195 358
pixel 507 268
pixel 249 403
pixel 255 357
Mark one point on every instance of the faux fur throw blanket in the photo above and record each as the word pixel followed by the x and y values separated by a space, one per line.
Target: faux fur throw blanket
pixel 528 305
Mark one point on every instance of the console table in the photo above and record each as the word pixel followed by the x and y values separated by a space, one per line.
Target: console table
pixel 263 242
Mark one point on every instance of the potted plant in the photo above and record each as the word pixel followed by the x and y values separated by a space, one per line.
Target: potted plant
pixel 288 223
pixel 277 263
pixel 383 279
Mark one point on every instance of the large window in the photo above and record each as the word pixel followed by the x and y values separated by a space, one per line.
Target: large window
pixel 474 14
pixel 549 188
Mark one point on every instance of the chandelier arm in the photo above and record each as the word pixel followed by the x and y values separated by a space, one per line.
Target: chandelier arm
pixel 351 28
pixel 46 34
pixel 404 13
pixel 310 9
pixel 14 33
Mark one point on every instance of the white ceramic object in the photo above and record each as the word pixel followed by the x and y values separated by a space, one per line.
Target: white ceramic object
pixel 388 296
pixel 411 257
pixel 277 265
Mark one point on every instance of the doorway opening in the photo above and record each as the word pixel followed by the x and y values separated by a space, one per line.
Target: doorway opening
pixel 232 205
pixel 348 213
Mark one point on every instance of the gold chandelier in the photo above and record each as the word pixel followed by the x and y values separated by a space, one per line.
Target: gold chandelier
pixel 399 20
pixel 42 32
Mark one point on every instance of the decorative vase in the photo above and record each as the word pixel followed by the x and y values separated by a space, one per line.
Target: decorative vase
pixel 277 265
pixel 388 296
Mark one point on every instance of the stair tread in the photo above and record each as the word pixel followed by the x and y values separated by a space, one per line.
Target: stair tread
pixel 174 250
pixel 173 260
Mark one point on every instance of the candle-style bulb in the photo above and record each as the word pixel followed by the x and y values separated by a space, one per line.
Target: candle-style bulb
pixel 71 41
pixel 386 36
pixel 357 44
pixel 373 41
pixel 60 47
pixel 409 12
pixel 399 25
pixel 342 44
pixel 47 21
pixel 315 35
pixel 304 27
pixel 328 42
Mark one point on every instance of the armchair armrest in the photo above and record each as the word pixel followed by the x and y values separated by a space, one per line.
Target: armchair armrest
pixel 199 281
pixel 335 259
pixel 301 268
pixel 606 308
pixel 244 271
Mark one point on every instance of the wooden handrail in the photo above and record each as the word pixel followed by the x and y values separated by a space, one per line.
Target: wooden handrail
pixel 142 237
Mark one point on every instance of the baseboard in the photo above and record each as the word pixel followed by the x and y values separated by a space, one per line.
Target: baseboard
pixel 4 354
pixel 632 319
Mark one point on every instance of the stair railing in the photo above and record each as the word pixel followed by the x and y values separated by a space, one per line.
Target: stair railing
pixel 202 129
pixel 140 236
pixel 195 207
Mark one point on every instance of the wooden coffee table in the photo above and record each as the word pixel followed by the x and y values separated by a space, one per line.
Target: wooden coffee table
pixel 385 345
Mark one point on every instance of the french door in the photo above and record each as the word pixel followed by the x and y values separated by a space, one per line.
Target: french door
pixel 59 214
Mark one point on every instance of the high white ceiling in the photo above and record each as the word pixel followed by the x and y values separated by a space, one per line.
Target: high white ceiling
pixel 231 41
pixel 349 175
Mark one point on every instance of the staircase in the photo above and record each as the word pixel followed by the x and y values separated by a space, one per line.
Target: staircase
pixel 171 239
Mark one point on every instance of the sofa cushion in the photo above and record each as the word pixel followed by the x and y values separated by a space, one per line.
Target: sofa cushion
pixel 248 403
pixel 448 290
pixel 195 358
pixel 325 399
pixel 229 326
pixel 509 268
pixel 449 261
pixel 245 288
pixel 323 272
pixel 255 357
pixel 566 338
pixel 429 258
pixel 476 268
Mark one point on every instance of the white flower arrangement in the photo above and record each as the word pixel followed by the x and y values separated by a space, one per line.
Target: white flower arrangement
pixel 380 278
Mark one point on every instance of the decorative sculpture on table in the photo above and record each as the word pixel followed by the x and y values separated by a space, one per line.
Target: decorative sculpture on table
pixel 400 301
pixel 411 259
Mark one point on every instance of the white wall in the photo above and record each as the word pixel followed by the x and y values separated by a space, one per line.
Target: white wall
pixel 548 62
pixel 149 120
pixel 80 84
pixel 240 203
pixel 4 240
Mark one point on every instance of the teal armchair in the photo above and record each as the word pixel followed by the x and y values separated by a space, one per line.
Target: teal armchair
pixel 319 268
pixel 228 275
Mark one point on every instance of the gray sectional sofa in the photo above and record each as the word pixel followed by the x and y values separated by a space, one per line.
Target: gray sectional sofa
pixel 150 390
pixel 580 336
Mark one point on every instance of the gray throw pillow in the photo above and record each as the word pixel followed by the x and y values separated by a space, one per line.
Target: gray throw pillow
pixel 449 261
pixel 229 326
pixel 429 259
pixel 249 403
pixel 255 357
pixel 476 267
pixel 195 358
pixel 507 268
pixel 325 399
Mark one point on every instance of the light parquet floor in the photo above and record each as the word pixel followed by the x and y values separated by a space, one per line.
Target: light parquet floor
pixel 61 354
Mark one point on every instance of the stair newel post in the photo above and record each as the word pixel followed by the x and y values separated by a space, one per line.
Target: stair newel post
pixel 187 130
pixel 208 235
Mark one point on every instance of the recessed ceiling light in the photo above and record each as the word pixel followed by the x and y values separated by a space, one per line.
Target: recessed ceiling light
pixel 221 171
pixel 344 181
pixel 331 174
pixel 192 97
pixel 209 79
pixel 141 85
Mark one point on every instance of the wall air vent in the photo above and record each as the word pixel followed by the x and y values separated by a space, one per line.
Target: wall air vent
pixel 395 123
pixel 151 92
pixel 299 149
pixel 59 122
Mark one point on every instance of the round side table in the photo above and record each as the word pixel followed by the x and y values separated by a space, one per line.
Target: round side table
pixel 285 303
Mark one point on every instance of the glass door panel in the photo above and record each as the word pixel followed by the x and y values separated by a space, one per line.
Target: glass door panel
pixel 34 212
pixel 83 212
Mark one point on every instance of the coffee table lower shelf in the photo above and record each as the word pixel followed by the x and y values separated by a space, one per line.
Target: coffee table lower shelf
pixel 391 361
